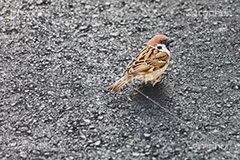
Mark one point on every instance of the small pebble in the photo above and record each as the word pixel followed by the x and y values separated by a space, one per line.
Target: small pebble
pixel 136 154
pixel 115 34
pixel 97 143
pixel 147 135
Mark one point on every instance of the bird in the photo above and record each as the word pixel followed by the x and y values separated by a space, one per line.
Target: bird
pixel 149 63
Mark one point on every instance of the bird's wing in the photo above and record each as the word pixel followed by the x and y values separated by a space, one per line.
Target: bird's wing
pixel 148 60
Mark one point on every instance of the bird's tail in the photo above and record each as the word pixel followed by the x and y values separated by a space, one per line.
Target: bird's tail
pixel 115 87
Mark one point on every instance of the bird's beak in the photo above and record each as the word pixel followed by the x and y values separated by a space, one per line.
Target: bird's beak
pixel 169 41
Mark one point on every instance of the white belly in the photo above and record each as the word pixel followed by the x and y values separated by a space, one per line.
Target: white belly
pixel 152 75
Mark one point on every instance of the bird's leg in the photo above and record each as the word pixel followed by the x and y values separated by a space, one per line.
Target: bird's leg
pixel 157 80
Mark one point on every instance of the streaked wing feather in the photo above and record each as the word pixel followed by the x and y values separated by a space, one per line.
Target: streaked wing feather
pixel 147 60
pixel 141 69
pixel 140 56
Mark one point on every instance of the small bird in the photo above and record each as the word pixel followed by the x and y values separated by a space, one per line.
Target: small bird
pixel 148 65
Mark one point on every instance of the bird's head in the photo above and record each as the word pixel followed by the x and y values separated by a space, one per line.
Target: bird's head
pixel 159 40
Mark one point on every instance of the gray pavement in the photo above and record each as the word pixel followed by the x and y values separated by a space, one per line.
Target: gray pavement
pixel 57 59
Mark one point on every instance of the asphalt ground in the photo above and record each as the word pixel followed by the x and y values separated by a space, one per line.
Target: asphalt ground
pixel 57 59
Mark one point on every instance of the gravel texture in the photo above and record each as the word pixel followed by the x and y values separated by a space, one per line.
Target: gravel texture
pixel 58 57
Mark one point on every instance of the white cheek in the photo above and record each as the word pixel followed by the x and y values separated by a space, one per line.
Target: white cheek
pixel 164 49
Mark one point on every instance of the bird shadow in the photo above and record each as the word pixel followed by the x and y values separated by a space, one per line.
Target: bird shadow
pixel 158 93
pixel 154 99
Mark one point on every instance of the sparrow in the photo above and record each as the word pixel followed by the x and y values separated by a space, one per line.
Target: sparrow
pixel 148 65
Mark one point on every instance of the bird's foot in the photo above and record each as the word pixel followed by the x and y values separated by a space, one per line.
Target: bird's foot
pixel 157 80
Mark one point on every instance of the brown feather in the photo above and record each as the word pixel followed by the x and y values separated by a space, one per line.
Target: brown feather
pixel 119 84
pixel 149 63
pixel 151 56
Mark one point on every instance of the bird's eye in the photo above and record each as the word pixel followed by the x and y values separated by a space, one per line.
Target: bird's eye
pixel 159 47
pixel 161 41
